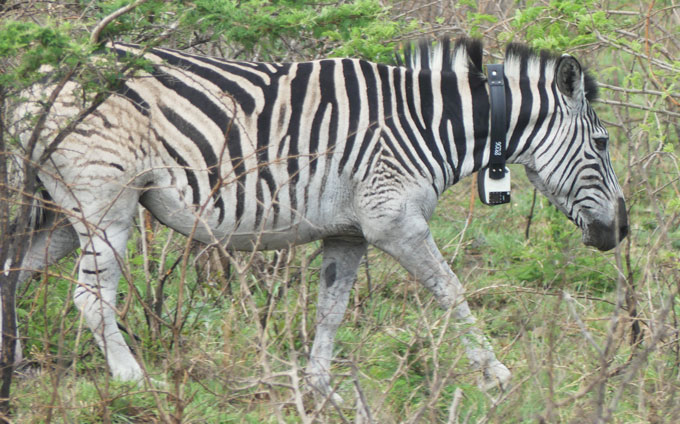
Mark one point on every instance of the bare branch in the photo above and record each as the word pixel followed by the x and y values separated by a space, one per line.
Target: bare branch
pixel 94 38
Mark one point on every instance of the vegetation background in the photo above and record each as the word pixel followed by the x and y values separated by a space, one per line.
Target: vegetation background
pixel 589 336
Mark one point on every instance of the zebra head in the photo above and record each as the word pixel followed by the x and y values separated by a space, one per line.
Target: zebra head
pixel 570 164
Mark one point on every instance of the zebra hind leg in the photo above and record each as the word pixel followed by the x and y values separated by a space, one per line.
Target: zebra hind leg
pixel 103 249
pixel 415 249
pixel 341 259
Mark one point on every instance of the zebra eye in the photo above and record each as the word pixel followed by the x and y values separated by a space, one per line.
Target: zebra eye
pixel 601 143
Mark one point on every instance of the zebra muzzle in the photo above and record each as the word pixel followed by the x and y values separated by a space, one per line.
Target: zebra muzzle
pixel 606 236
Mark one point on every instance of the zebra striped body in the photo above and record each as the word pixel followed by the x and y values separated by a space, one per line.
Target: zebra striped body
pixel 261 156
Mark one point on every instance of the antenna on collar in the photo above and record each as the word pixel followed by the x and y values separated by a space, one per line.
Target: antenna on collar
pixel 493 182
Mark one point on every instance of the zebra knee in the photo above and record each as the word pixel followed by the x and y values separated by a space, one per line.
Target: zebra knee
pixel 98 313
pixel 447 291
pixel 84 297
pixel 93 296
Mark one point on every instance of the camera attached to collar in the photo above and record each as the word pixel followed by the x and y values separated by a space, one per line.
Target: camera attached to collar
pixel 493 191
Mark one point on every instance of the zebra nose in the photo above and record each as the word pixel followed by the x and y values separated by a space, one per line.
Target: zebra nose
pixel 622 219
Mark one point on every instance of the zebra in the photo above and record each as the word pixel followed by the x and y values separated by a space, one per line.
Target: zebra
pixel 258 156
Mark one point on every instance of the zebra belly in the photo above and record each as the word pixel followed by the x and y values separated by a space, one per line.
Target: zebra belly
pixel 202 224
pixel 285 237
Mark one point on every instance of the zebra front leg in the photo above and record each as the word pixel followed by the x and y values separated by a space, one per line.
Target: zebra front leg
pixel 95 295
pixel 341 259
pixel 415 249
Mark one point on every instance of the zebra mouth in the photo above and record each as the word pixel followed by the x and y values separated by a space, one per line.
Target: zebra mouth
pixel 606 236
pixel 602 236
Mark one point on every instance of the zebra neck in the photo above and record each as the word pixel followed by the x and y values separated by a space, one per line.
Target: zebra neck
pixel 531 112
pixel 467 121
pixel 464 126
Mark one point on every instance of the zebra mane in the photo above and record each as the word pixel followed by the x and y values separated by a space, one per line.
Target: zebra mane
pixel 438 56
pixel 521 53
pixel 466 55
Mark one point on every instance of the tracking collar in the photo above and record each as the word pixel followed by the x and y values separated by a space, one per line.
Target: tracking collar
pixel 493 182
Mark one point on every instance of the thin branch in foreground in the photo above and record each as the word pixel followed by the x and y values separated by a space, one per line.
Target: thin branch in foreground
pixel 94 38
pixel 572 311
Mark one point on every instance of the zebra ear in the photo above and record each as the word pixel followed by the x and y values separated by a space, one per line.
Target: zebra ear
pixel 569 77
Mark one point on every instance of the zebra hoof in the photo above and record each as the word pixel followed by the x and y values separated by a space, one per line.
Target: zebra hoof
pixel 495 375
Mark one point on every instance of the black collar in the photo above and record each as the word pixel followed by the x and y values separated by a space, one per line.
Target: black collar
pixel 498 127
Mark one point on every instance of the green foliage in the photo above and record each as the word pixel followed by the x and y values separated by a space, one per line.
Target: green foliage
pixel 358 28
pixel 475 19
pixel 560 25
pixel 145 23
pixel 35 45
